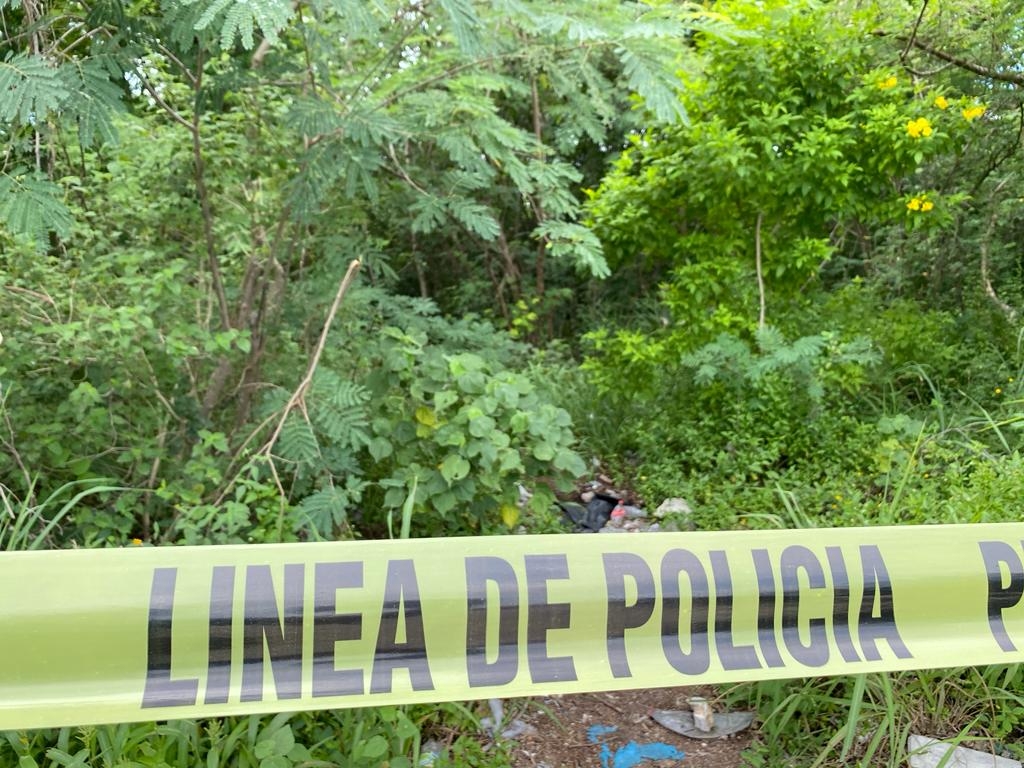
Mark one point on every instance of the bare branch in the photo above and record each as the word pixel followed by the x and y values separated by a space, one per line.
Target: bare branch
pixel 297 400
pixel 986 281
pixel 970 66
pixel 913 32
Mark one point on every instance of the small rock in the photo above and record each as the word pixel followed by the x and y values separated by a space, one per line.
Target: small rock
pixel 674 506
pixel 633 512
pixel 926 752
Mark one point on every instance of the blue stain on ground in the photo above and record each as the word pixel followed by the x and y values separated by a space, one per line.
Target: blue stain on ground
pixel 632 753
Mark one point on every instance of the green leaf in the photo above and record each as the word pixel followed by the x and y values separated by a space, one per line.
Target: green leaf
pixel 481 426
pixel 96 100
pixel 30 206
pixel 653 79
pixel 379 448
pixel 570 462
pixel 405 728
pixel 477 218
pixel 465 24
pixel 264 749
pixel 444 502
pixel 407 508
pixel 543 452
pixel 574 241
pixel 324 510
pixel 376 746
pixel 297 441
pixel 239 18
pixel 30 89
pixel 445 398
pixel 454 468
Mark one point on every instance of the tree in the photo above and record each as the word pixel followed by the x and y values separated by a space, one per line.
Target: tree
pixel 806 138
pixel 286 141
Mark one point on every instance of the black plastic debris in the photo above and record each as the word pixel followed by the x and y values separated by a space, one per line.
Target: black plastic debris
pixel 593 516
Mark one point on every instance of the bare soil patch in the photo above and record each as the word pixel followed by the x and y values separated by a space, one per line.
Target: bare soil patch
pixel 562 724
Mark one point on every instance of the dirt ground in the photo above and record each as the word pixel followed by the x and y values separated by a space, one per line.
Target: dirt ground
pixel 562 724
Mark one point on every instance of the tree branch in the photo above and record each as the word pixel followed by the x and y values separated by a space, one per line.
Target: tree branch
pixel 913 32
pixel 970 66
pixel 297 400
pixel 986 281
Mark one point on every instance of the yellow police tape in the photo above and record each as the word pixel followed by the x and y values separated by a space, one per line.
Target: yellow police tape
pixel 156 633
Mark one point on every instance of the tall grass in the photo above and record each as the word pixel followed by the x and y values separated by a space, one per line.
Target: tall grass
pixel 29 524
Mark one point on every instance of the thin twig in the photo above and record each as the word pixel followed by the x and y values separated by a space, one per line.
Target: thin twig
pixel 181 65
pixel 913 32
pixel 402 172
pixel 297 400
pixel 986 281
pixel 602 700
pixel 174 114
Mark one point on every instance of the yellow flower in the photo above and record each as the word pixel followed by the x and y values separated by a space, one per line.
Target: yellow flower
pixel 921 203
pixel 998 390
pixel 920 127
pixel 940 102
pixel 136 542
pixel 889 82
pixel 970 113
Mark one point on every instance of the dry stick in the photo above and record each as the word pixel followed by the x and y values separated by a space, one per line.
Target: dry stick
pixel 760 273
pixel 298 396
pixel 986 282
pixel 913 33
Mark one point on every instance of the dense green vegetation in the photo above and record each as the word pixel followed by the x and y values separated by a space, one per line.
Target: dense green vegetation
pixel 276 271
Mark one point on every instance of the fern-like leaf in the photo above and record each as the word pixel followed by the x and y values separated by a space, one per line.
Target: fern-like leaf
pixel 297 441
pixel 30 89
pixel 31 206
pixel 239 18
pixel 646 74
pixel 325 510
pixel 475 217
pixel 429 212
pixel 568 240
pixel 95 101
pixel 464 24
